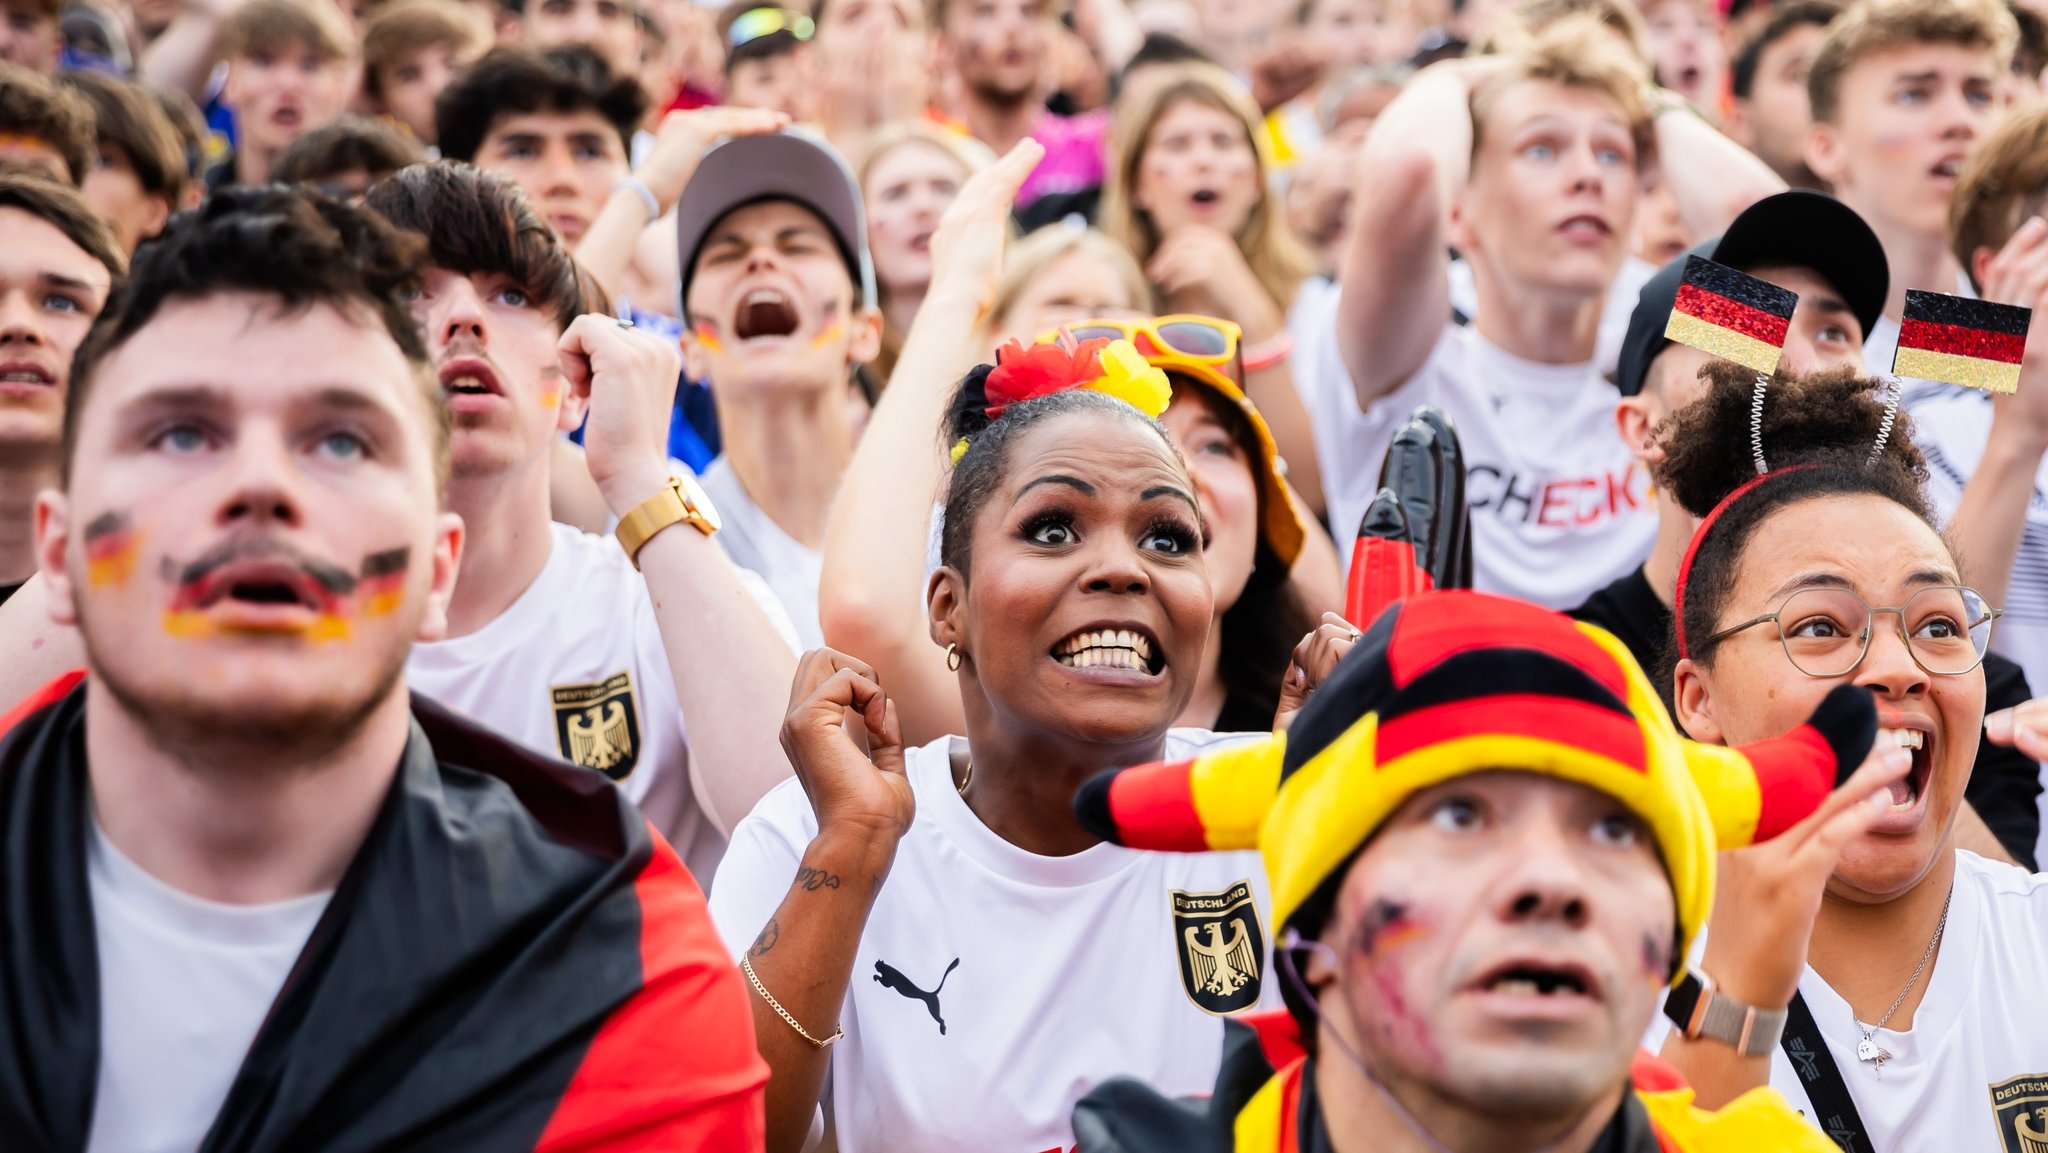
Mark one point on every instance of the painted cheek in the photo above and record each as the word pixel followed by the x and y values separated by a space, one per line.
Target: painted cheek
pixel 111 546
pixel 706 333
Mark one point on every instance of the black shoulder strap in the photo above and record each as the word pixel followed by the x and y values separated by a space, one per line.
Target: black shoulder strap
pixel 1834 1111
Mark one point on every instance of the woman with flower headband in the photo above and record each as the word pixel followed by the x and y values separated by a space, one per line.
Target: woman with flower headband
pixel 1275 573
pixel 1909 971
pixel 940 954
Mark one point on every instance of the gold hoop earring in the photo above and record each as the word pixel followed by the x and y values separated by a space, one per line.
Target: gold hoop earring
pixel 953 658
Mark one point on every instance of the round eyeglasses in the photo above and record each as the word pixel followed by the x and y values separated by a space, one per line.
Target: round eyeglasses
pixel 1826 631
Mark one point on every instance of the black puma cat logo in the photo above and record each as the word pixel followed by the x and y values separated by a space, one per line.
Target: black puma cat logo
pixel 887 976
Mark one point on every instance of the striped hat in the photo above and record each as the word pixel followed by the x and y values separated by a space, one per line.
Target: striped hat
pixel 1450 683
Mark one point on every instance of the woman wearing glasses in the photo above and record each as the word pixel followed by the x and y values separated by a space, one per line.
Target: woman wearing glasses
pixel 1916 967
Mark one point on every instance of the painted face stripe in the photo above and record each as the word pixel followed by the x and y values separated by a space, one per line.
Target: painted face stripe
pixel 1955 340
pixel 1962 312
pixel 1967 371
pixel 1580 727
pixel 1726 343
pixel 1740 287
pixel 1733 315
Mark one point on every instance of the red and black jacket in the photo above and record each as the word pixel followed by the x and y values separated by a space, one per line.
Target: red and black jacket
pixel 513 961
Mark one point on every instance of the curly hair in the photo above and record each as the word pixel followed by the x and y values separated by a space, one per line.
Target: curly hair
pixel 1827 422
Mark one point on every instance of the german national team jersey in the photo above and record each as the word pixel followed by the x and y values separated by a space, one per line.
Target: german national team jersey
pixel 993 987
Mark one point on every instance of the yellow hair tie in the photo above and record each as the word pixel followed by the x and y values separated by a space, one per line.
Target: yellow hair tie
pixel 959 450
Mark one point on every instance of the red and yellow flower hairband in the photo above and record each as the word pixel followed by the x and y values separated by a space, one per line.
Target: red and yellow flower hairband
pixel 1026 372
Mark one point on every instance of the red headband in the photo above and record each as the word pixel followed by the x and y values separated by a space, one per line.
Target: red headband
pixel 1700 534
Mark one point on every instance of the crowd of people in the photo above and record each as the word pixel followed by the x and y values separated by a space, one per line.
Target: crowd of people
pixel 618 575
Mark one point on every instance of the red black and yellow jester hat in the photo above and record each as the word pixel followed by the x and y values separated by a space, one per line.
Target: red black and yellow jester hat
pixel 1450 683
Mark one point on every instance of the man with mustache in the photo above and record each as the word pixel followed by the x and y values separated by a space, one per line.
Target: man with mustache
pixel 669 680
pixel 256 895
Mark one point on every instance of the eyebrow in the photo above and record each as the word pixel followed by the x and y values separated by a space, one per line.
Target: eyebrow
pixel 1073 482
pixel 60 280
pixel 1813 580
pixel 1159 490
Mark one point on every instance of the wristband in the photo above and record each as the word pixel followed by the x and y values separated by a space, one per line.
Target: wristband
pixel 1700 1010
pixel 1269 352
pixel 646 195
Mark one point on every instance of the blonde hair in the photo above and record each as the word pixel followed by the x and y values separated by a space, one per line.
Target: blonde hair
pixel 1031 255
pixel 1518 26
pixel 1876 26
pixel 970 154
pixel 2004 181
pixel 1271 249
pixel 1577 51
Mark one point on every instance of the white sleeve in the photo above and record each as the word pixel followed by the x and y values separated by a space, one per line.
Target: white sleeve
pixel 759 866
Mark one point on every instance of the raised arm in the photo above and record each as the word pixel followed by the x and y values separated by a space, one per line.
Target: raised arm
pixel 871 598
pixel 729 663
pixel 1992 516
pixel 804 954
pixel 1712 177
pixel 181 58
pixel 1395 294
pixel 34 650
pixel 607 247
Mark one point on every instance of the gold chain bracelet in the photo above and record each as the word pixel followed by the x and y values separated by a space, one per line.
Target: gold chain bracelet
pixel 747 966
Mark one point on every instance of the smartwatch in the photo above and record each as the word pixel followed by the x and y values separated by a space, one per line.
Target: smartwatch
pixel 1699 1009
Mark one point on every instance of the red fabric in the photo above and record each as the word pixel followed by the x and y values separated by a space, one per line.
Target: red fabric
pixel 1650 1073
pixel 1733 315
pixel 49 694
pixel 1154 808
pixel 1794 774
pixel 1579 724
pixel 1423 640
pixel 1026 372
pixel 1279 1036
pixel 675 1067
pixel 1956 340
pixel 1290 1105
pixel 690 98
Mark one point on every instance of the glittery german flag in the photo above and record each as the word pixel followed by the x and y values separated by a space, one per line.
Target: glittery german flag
pixel 1731 314
pixel 1956 340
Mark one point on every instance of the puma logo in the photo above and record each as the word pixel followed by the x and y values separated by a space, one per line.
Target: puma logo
pixel 888 977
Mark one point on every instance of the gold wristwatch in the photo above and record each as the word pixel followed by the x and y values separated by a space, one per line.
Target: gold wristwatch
pixel 683 501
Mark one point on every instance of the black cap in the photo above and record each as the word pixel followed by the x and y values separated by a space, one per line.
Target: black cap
pixel 1799 229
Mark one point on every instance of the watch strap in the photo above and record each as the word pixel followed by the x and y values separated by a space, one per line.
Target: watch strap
pixel 670 505
pixel 1702 1011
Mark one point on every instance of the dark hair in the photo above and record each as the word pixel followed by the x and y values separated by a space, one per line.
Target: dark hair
pixel 1784 19
pixel 481 222
pixel 980 471
pixel 1157 48
pixel 190 127
pixel 781 42
pixel 63 208
pixel 277 25
pixel 127 116
pixel 1827 421
pixel 295 246
pixel 519 81
pixel 33 105
pixel 350 144
pixel 2032 54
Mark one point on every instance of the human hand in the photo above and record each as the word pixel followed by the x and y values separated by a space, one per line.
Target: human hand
pixel 1286 70
pixel 2023 727
pixel 1314 659
pixel 684 137
pixel 967 247
pixel 629 379
pixel 1766 896
pixel 1201 269
pixel 2019 275
pixel 862 794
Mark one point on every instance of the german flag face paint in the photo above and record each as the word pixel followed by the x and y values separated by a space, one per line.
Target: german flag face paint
pixel 259 587
pixel 1974 343
pixel 111 545
pixel 383 583
pixel 1731 314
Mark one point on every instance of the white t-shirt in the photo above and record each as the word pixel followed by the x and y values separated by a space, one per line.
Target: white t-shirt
pixel 756 543
pixel 184 985
pixel 576 668
pixel 1975 1063
pixel 1051 974
pixel 1559 507
pixel 1622 296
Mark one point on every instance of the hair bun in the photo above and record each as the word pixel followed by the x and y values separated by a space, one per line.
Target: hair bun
pixel 1830 419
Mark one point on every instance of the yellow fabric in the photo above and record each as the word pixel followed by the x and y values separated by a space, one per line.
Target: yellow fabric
pixel 1127 376
pixel 1257 1129
pixel 1759 1120
pixel 1233 788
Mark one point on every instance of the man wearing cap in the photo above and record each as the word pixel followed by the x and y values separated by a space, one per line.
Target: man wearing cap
pixel 1488 850
pixel 779 307
pixel 1818 247
pixel 1805 242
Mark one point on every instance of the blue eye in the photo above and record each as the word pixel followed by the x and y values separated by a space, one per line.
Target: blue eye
pixel 343 445
pixel 514 297
pixel 1455 815
pixel 179 439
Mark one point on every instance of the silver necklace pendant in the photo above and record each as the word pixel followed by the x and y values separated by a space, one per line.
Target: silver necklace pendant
pixel 1866 1050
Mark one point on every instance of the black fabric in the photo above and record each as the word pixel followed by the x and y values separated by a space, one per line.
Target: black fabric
pixel 1054 207
pixel 1242 714
pixel 483 933
pixel 2005 785
pixel 8 590
pixel 1834 1111
pixel 1629 609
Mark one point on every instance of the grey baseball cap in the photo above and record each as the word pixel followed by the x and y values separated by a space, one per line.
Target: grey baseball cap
pixel 791 165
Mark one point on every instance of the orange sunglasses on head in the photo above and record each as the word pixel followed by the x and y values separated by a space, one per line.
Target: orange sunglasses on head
pixel 1202 340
